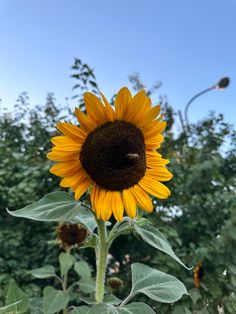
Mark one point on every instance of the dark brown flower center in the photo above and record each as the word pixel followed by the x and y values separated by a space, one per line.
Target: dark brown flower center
pixel 114 155
pixel 71 234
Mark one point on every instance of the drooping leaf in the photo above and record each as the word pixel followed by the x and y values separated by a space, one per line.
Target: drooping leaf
pixel 46 271
pixel 15 295
pixel 57 206
pixel 133 308
pixel 66 262
pixel 155 238
pixel 155 284
pixel 83 270
pixel 108 299
pixel 54 300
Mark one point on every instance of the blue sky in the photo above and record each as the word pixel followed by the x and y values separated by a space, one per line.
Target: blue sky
pixel 187 44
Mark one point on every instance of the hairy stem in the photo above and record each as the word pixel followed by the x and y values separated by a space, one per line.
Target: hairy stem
pixel 102 252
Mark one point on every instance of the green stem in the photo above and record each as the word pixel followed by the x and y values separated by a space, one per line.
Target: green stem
pixel 124 228
pixel 102 252
pixel 126 300
pixel 65 279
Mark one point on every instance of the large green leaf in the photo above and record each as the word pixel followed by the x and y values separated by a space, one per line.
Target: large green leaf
pixel 133 308
pixel 155 238
pixel 9 308
pixel 80 310
pixel 155 284
pixel 85 217
pixel 87 286
pixel 108 299
pixel 36 306
pixel 54 300
pixel 66 262
pixel 46 271
pixel 57 206
pixel 83 270
pixel 14 295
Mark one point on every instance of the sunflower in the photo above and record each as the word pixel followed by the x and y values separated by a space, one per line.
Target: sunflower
pixel 113 153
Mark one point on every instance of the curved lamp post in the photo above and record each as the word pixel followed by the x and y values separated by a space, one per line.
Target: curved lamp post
pixel 222 84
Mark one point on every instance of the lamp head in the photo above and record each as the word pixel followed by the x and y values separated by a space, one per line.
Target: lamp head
pixel 223 83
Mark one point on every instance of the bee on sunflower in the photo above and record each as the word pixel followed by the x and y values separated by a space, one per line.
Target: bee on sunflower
pixel 113 153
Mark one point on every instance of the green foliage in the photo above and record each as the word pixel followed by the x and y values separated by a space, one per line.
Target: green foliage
pixel 137 308
pixel 16 300
pixel 83 270
pixel 155 284
pixel 57 207
pixel 85 81
pixel 155 238
pixel 54 300
pixel 198 220
pixel 24 178
pixel 46 271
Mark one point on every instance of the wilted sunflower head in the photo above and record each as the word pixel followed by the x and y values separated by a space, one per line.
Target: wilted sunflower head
pixel 71 234
pixel 114 152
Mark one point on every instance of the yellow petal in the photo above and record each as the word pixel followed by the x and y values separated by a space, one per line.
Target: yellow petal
pixel 153 128
pixel 146 106
pixel 129 203
pixel 67 148
pixel 65 168
pixel 74 179
pixel 55 156
pixel 61 151
pixel 135 106
pixel 159 174
pixel 86 123
pixel 142 198
pixel 65 140
pixel 94 108
pixel 72 131
pixel 122 102
pixel 82 187
pixel 106 211
pixel 99 199
pixel 154 141
pixel 154 159
pixel 93 195
pixel 109 111
pixel 154 187
pixel 117 205
pixel 149 116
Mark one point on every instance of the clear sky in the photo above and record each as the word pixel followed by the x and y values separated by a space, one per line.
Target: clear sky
pixel 187 44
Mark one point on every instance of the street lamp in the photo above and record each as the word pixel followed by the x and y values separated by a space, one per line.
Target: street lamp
pixel 222 84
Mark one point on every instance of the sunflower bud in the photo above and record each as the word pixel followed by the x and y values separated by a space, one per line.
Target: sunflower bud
pixel 71 234
pixel 114 282
pixel 198 274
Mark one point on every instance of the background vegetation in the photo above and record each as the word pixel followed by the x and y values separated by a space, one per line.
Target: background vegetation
pixel 199 219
